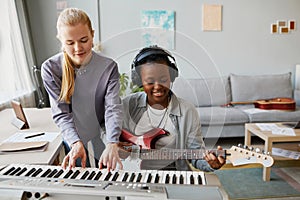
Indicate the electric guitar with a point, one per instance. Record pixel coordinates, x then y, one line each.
133 154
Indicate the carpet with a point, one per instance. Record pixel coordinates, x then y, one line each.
247 183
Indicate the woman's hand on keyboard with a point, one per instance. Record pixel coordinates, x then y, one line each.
77 151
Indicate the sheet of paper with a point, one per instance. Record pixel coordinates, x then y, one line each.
276 129
285 153
20 137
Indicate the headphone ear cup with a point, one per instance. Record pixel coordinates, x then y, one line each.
173 73
135 78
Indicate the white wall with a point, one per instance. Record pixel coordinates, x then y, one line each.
42 20
244 46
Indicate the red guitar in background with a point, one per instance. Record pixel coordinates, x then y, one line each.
135 149
287 104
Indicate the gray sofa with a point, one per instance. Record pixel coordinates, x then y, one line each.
212 95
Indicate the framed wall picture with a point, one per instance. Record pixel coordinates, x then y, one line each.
274 28
282 23
158 28
292 24
212 17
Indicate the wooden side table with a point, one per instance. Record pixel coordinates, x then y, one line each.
269 138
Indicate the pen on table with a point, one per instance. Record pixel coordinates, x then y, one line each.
31 136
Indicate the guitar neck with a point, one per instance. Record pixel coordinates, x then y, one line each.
241 102
176 154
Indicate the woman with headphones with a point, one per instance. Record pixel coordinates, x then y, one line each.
157 107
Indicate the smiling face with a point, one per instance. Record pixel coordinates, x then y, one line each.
77 42
156 83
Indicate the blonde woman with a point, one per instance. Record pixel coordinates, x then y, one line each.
83 88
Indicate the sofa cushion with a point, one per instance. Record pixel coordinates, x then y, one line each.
203 92
217 115
251 88
259 115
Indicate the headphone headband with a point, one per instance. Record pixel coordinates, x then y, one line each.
152 51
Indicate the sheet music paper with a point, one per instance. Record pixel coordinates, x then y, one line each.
285 153
276 129
20 137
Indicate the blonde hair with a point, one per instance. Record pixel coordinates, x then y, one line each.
70 17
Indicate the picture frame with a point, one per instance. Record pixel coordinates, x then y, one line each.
274 28
292 24
284 30
282 23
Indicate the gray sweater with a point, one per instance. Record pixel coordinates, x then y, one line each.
95 104
183 115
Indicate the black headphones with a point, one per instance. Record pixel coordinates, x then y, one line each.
149 51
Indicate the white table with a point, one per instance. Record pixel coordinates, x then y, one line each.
39 120
269 138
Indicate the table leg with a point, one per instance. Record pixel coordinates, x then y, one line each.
247 137
267 170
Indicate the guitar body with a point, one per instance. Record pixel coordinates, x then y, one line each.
137 142
276 104
145 141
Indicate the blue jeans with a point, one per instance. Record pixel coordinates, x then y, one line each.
98 147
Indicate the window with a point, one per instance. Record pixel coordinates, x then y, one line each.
15 81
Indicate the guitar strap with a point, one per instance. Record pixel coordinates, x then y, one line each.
136 111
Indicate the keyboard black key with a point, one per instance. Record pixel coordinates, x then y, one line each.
60 172
15 171
75 174
132 177
174 179
22 171
181 179
86 173
156 180
167 178
149 178
46 173
116 175
30 172
139 177
68 174
107 176
52 173
98 175
9 171
93 173
199 180
37 172
125 177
